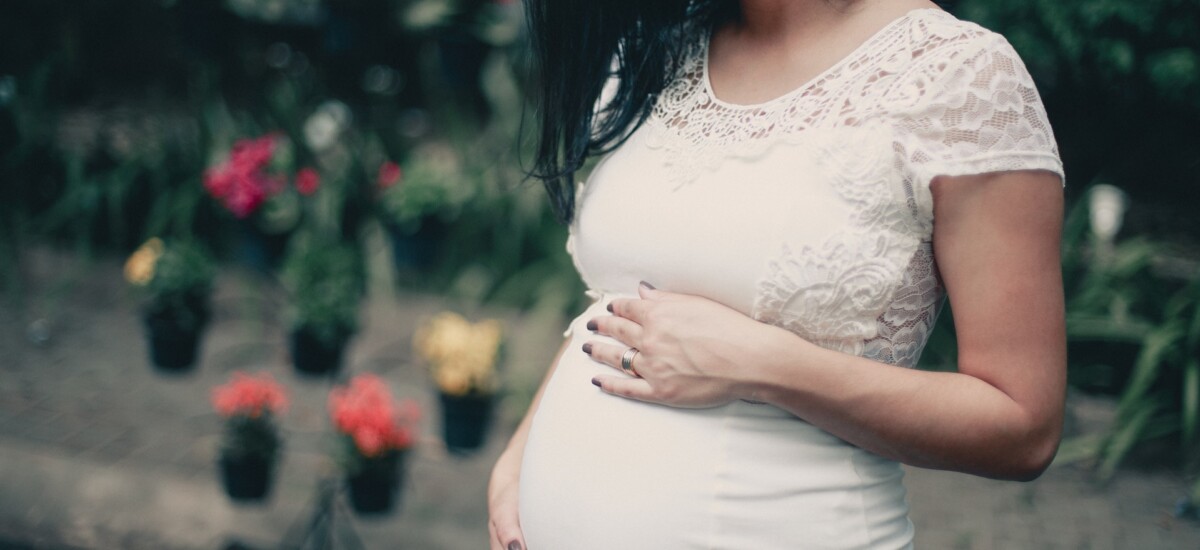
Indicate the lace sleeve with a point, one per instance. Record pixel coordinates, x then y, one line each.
970 107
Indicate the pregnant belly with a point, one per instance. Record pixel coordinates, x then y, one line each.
601 471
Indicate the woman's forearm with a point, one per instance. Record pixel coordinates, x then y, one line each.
937 420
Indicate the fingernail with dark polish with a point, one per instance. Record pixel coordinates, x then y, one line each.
587 348
610 310
596 382
514 545
592 325
647 285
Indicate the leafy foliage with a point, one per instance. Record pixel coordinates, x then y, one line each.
176 276
434 185
1125 315
326 280
247 436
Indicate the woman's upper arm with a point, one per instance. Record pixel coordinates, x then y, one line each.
996 238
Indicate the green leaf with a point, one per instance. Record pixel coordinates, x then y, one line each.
1123 439
1193 333
1097 327
1118 55
1173 70
1133 256
1146 369
1079 448
1191 402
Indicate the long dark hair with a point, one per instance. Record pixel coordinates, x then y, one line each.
575 43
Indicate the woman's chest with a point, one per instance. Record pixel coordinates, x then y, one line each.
723 224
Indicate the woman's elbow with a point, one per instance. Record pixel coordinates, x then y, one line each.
1033 454
1037 462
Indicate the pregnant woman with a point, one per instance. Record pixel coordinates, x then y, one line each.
787 191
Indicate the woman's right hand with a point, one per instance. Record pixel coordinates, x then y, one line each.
503 523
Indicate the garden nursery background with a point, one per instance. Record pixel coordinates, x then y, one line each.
271 274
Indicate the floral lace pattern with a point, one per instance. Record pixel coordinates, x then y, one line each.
930 95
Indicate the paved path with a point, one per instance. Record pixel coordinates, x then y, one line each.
98 451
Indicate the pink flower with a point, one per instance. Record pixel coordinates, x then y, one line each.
307 181
369 442
389 175
365 411
250 396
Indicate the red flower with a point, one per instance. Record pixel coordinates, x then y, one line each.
307 181
369 441
249 395
366 412
240 183
389 175
217 182
253 154
244 197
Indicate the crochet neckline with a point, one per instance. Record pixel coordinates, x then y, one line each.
886 30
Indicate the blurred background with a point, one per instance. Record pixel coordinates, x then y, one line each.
253 252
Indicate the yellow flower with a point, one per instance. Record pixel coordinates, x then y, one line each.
462 356
452 382
139 268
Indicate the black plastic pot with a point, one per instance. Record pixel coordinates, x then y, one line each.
417 250
246 478
260 250
375 488
465 420
173 342
313 356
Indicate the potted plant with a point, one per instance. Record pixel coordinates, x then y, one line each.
249 404
251 184
176 278
462 358
326 281
417 205
375 435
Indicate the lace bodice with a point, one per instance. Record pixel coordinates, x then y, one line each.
812 211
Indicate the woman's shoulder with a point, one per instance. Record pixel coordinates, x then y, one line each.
937 37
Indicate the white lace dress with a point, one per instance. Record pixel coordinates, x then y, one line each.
811 212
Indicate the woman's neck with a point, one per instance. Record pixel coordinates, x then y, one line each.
774 19
773 46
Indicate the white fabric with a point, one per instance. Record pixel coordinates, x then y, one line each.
811 212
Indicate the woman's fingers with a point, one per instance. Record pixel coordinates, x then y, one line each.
504 523
623 330
611 354
635 309
493 538
506 532
632 388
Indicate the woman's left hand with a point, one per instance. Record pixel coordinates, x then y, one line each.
692 352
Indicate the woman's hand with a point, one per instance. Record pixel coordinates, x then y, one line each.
504 526
691 350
